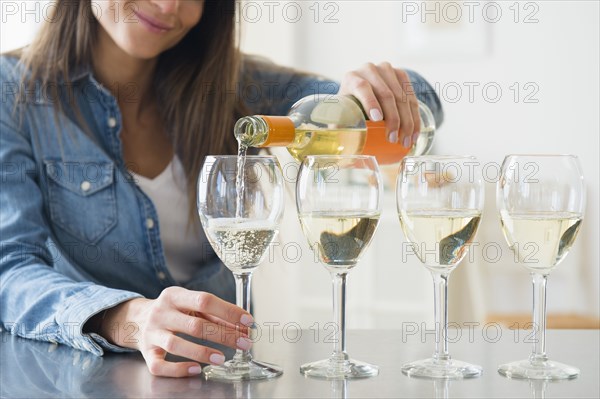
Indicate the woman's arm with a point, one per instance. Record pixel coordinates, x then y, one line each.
35 300
272 89
38 302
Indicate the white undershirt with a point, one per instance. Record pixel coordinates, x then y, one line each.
182 245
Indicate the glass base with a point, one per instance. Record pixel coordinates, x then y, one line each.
542 370
234 370
443 369
339 370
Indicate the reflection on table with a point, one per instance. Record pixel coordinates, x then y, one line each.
40 369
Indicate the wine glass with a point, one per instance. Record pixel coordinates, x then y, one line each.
541 199
339 204
240 226
440 200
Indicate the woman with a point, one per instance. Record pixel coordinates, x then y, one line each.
106 118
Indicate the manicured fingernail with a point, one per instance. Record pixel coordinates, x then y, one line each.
253 333
406 142
195 370
217 359
375 115
247 320
243 343
415 136
393 136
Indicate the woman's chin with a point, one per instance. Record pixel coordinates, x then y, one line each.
143 52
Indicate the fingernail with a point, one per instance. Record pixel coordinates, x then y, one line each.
247 320
393 136
217 359
195 370
253 332
415 136
243 343
375 115
406 142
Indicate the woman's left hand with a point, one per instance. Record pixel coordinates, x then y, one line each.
386 93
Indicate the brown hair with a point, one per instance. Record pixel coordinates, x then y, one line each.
191 78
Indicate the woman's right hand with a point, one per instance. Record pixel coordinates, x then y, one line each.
150 326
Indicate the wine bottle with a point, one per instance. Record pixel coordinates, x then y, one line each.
329 124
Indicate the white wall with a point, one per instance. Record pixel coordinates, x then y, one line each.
557 56
20 20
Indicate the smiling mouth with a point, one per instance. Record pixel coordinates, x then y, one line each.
152 24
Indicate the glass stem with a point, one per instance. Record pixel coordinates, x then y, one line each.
440 297
539 318
339 314
242 299
441 387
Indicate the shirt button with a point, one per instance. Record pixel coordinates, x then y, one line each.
149 223
86 185
161 275
112 122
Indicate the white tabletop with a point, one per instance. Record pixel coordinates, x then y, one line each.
30 369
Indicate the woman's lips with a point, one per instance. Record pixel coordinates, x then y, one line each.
152 24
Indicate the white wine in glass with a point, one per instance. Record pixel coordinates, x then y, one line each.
541 200
241 222
447 230
240 243
440 200
339 237
339 204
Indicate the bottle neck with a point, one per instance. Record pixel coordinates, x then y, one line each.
264 131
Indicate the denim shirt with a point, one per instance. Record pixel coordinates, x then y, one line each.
77 235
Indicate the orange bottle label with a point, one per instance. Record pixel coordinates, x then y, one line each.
378 145
281 131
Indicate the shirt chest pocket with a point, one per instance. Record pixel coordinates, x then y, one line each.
82 198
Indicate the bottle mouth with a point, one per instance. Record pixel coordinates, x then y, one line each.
247 131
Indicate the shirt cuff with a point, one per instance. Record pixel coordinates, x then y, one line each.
100 340
80 308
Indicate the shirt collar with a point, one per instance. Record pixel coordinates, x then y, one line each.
79 72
